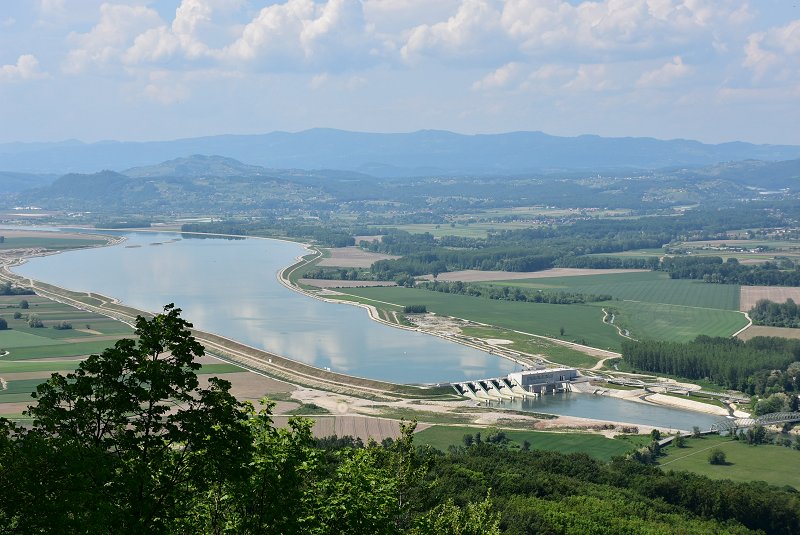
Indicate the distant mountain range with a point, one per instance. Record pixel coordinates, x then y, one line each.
428 152
214 184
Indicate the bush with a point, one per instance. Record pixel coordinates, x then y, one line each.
35 322
717 456
24 304
415 309
63 326
17 315
3 324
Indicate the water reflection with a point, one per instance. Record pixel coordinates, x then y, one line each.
229 287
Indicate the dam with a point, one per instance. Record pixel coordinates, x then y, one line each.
528 383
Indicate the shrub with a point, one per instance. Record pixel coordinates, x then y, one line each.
716 456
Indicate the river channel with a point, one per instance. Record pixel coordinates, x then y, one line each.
229 287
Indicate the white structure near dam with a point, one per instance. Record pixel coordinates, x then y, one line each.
529 383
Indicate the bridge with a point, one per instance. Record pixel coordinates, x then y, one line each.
774 418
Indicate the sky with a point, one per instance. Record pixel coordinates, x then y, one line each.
712 70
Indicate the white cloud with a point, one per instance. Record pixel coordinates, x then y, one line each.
594 78
26 68
499 78
107 40
474 32
7 22
299 33
593 31
181 37
665 75
776 50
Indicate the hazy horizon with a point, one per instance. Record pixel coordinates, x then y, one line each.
146 70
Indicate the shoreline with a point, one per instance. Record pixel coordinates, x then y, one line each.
309 377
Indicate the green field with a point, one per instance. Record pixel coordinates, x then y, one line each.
582 323
597 446
776 465
649 287
21 386
675 323
26 366
221 368
60 349
534 346
651 305
77 349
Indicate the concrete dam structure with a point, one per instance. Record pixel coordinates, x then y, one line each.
529 383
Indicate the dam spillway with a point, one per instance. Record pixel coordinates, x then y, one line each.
529 383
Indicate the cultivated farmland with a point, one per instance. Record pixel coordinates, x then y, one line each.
674 322
582 323
750 295
33 353
648 304
646 286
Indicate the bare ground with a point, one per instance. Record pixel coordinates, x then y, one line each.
471 275
749 295
353 257
363 427
759 330
249 386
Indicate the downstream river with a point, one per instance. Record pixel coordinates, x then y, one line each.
229 287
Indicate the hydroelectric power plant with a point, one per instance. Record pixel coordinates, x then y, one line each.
529 383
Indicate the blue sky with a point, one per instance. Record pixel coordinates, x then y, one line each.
713 70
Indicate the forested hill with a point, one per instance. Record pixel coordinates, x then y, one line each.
407 154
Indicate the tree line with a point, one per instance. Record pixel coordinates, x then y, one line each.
8 289
132 442
756 366
565 245
515 293
766 312
714 269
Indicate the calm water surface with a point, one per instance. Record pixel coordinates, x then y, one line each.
229 287
615 410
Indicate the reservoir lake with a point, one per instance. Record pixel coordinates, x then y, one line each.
229 287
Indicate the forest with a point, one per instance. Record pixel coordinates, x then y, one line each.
757 366
506 293
767 312
565 245
133 443
714 270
